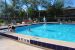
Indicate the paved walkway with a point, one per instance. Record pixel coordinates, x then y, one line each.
9 44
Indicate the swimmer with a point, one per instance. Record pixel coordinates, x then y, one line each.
13 29
9 27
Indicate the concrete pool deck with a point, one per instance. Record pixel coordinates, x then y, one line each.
45 40
9 44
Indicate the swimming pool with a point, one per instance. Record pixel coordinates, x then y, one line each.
64 32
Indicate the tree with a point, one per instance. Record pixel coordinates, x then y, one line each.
59 7
2 7
16 8
56 9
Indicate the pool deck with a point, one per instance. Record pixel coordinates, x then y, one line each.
9 44
24 24
45 40
33 23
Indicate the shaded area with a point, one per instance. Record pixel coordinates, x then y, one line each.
48 45
9 36
1 37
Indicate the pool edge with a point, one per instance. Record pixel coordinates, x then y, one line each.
37 42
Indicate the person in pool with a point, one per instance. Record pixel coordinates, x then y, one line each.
13 28
9 27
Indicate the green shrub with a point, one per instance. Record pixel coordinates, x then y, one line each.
1 21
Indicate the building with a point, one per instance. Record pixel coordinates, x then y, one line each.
69 13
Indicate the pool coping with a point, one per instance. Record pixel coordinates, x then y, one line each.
21 37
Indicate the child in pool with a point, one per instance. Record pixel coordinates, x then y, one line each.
9 27
13 29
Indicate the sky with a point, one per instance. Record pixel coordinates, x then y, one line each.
69 3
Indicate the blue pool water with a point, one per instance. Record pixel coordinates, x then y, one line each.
64 32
